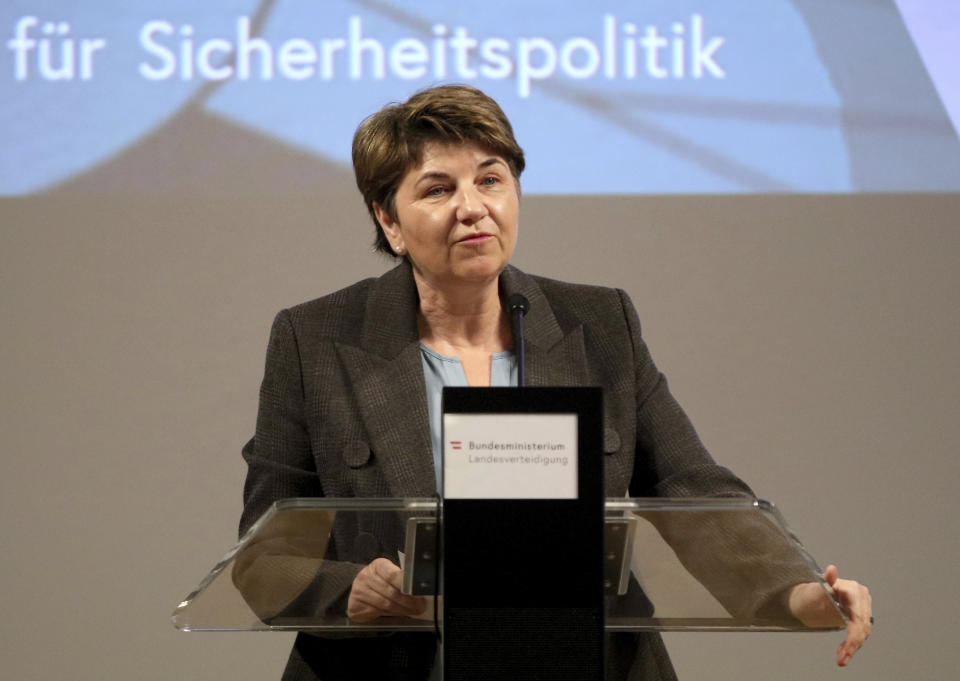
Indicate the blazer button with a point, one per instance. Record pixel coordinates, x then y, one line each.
357 454
611 441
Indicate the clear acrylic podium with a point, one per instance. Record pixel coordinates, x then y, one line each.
669 565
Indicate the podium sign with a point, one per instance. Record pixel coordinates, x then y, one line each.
510 456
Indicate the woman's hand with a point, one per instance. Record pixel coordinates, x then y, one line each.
376 592
809 604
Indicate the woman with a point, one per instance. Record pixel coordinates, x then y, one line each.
349 405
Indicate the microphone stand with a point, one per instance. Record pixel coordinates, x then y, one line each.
518 305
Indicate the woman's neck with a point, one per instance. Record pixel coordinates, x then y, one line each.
463 320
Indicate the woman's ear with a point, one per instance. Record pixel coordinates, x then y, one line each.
391 229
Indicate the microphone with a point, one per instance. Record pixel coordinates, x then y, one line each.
518 305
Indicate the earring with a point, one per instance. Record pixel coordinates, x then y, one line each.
399 250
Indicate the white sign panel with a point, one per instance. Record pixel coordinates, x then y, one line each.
510 456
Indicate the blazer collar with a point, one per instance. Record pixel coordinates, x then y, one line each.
390 319
386 373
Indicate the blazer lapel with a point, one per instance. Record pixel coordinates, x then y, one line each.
555 357
386 376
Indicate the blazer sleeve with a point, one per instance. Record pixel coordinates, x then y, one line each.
279 457
743 561
286 577
670 459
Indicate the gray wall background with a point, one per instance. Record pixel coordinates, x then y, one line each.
812 339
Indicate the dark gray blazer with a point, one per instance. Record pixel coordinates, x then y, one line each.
343 413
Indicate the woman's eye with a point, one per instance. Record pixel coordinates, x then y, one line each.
491 180
436 191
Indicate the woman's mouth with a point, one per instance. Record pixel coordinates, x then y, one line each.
475 239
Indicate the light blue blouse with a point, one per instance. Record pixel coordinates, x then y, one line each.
440 370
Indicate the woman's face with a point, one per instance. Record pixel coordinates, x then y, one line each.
456 216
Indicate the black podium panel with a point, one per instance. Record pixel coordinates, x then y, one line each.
523 578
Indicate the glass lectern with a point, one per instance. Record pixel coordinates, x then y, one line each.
669 565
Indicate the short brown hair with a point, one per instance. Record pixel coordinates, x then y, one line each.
391 141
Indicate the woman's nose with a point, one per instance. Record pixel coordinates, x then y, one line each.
470 205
